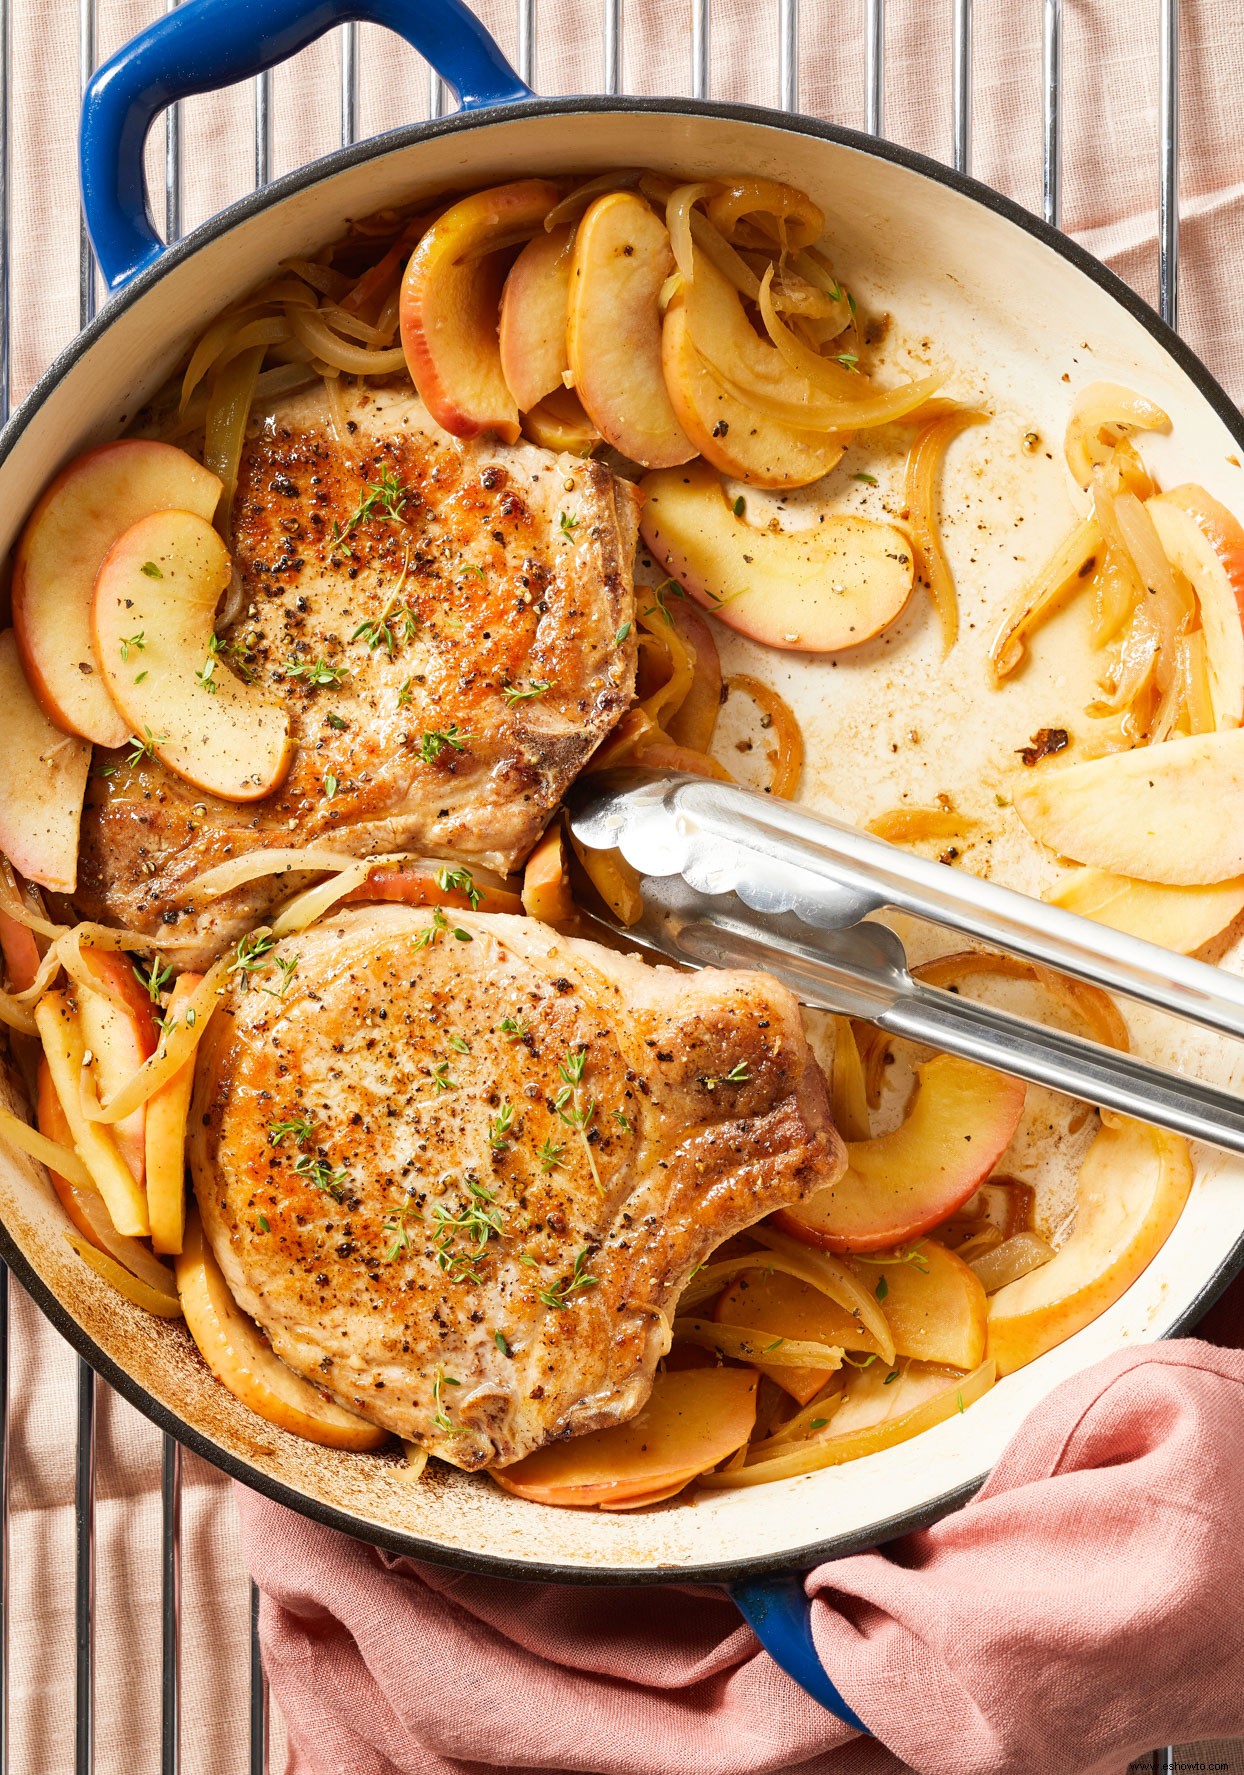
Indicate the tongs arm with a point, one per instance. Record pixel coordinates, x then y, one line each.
724 838
733 879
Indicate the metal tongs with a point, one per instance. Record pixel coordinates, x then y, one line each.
732 878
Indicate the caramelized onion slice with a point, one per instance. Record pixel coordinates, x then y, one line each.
860 405
833 1277
1068 565
787 757
923 465
1008 1261
743 1343
1103 414
142 1294
829 1450
50 1153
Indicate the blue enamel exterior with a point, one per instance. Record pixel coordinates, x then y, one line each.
779 1613
205 44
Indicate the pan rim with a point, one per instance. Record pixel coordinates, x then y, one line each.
404 1543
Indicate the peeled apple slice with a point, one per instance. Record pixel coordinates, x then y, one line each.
693 1419
1132 1188
239 1357
1178 918
788 1308
936 1306
1159 813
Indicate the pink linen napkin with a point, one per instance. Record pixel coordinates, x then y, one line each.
1083 1608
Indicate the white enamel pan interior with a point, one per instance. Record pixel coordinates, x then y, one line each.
1023 317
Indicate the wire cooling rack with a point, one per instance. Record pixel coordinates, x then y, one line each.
784 91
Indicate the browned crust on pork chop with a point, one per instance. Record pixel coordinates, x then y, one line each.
443 1215
497 581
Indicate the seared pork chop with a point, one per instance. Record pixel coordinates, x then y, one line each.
461 1171
450 626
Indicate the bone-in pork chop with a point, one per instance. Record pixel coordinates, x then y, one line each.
461 1171
450 626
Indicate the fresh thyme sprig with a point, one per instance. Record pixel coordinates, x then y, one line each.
500 1129
738 1074
911 1254
398 1230
461 881
153 981
478 1221
572 1110
314 673
659 607
560 1294
550 1154
434 742
321 1175
386 496
301 1127
395 625
287 968
144 748
535 687
249 955
427 936
439 1417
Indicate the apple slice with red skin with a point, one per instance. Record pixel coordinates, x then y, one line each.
81 515
727 430
693 1418
622 257
21 952
899 1185
532 330
416 884
120 1031
1132 1188
808 591
1205 542
450 305
42 784
239 1356
163 579
730 429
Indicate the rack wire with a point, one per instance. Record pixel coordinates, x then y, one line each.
786 92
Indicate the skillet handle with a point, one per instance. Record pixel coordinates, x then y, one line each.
779 1612
205 44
